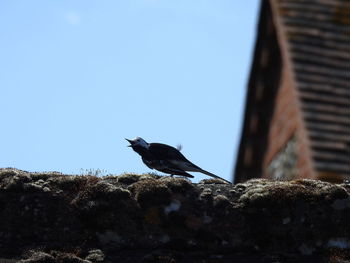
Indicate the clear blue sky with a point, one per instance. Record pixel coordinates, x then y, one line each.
77 77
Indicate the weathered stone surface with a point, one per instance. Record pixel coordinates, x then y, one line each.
51 217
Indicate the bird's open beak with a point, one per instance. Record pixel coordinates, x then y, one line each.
130 141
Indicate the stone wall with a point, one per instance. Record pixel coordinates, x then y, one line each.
51 217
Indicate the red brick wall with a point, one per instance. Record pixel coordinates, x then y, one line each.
287 121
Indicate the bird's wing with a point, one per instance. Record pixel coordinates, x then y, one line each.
168 153
165 167
165 152
148 163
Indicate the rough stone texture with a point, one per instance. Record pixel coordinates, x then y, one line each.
51 217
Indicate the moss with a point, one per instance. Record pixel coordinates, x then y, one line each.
15 183
254 195
53 257
69 258
6 172
312 184
38 257
106 190
16 180
262 193
332 192
206 193
95 255
177 185
221 202
129 179
103 206
45 175
98 194
151 192
67 182
212 181
34 187
323 189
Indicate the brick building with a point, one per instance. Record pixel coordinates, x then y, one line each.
297 115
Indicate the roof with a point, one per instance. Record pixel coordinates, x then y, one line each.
314 37
318 35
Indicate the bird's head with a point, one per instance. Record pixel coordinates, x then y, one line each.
138 142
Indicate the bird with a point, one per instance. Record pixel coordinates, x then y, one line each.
166 159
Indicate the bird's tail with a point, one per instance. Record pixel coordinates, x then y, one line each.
213 175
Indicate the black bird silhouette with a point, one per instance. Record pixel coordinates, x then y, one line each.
166 159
